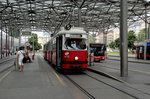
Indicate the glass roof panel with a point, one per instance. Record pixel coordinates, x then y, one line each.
60 12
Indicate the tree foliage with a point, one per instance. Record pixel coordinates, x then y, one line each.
117 41
91 39
141 35
115 44
112 45
34 38
131 39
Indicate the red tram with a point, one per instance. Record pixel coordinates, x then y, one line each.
68 49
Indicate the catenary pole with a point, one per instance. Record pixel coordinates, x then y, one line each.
2 52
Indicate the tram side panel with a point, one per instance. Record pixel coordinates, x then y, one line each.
54 57
50 56
48 53
45 52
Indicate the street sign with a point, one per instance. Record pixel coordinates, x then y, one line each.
26 33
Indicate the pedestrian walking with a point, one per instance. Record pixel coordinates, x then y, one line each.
20 56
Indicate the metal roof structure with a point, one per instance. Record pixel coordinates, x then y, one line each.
50 15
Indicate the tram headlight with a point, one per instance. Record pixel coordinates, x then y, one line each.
76 58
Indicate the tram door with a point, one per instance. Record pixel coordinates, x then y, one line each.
140 52
58 51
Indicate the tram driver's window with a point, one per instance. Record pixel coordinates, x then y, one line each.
82 44
68 44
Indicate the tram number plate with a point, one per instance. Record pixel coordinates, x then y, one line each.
75 35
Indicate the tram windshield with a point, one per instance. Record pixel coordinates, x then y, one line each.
75 44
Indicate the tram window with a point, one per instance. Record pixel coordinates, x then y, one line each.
75 44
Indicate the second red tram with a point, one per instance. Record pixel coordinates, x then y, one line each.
98 51
68 49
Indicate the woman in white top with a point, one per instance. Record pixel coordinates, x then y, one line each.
20 56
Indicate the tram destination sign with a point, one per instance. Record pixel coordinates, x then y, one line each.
76 35
148 43
96 45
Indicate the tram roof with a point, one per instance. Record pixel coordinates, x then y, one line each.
73 30
50 15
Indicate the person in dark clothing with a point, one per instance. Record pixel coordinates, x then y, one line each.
27 58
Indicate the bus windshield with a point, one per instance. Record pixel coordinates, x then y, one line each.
75 44
97 49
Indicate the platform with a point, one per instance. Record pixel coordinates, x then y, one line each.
40 81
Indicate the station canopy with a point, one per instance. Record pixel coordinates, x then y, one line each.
50 15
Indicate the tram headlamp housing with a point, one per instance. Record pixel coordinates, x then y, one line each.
76 58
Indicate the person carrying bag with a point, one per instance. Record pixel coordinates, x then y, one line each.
20 57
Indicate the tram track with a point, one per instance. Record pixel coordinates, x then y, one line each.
6 67
112 86
80 88
105 83
4 61
114 78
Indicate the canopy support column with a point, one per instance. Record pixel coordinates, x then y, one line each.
123 40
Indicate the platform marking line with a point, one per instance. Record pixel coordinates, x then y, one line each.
4 76
140 71
60 80
129 70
